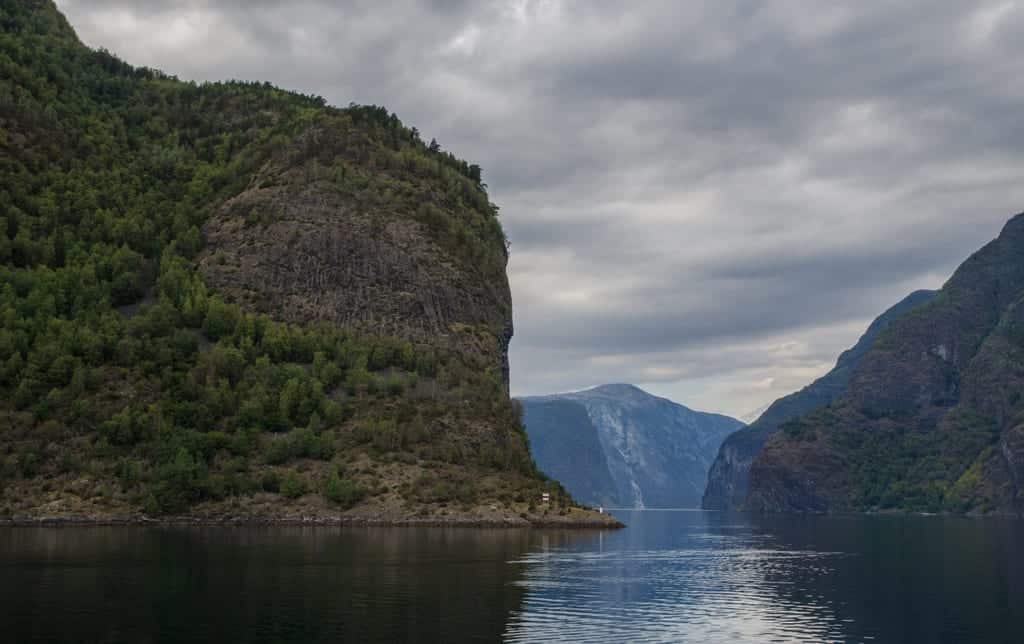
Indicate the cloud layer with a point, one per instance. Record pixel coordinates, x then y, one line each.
709 199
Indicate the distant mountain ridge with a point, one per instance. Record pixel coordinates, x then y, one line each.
728 476
619 445
752 416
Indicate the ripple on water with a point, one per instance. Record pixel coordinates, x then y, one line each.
715 593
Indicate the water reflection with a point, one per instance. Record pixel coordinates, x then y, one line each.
708 577
669 577
673 577
919 579
271 584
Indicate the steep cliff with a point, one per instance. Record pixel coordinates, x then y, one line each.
933 416
317 236
656 452
729 474
227 300
567 447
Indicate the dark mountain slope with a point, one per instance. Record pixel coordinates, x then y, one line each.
728 477
567 448
230 300
933 416
656 452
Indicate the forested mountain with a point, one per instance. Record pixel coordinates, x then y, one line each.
933 416
225 299
728 477
619 445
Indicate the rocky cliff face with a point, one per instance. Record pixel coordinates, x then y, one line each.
729 474
657 452
932 416
305 243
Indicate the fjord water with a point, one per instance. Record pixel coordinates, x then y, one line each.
670 577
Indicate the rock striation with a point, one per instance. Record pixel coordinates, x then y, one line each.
619 445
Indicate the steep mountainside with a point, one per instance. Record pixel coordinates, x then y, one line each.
657 452
568 448
228 300
933 417
728 477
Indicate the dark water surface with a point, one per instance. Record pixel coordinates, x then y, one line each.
669 577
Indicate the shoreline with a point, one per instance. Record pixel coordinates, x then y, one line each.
355 522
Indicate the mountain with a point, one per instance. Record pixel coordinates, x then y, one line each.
932 418
567 447
752 416
727 478
618 445
228 300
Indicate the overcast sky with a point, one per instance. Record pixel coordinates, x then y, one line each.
711 200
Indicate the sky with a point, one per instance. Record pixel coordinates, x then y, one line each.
710 200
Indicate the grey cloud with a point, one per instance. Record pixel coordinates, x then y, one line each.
687 186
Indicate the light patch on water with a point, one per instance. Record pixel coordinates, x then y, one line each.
713 593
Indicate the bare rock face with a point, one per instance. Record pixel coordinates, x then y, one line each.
302 250
726 487
932 418
619 445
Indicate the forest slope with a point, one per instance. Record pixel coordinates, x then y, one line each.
228 300
933 416
729 474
